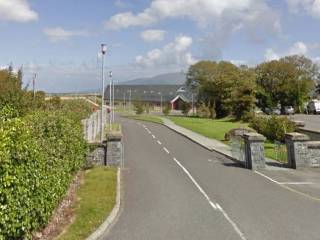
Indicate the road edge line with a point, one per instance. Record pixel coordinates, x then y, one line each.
112 216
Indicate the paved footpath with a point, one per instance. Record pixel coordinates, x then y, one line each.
176 189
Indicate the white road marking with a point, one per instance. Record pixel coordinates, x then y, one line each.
153 136
269 178
234 225
143 125
296 183
209 160
159 142
196 184
167 151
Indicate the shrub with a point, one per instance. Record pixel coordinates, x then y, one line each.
166 110
273 128
185 108
203 111
39 154
138 107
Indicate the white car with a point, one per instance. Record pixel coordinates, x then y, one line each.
314 106
288 110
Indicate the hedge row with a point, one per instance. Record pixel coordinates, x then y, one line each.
273 128
39 154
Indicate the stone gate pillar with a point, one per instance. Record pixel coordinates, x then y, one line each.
297 150
254 151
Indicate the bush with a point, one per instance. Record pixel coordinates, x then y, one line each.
138 107
166 110
39 155
273 128
203 111
185 108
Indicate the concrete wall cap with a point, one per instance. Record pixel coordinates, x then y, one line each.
253 136
294 136
313 144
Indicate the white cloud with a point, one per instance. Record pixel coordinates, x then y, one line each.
153 35
218 19
16 10
176 53
271 55
311 7
201 11
59 34
298 48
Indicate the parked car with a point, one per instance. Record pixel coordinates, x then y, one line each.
288 110
314 106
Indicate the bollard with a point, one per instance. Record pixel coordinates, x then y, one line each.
254 151
297 150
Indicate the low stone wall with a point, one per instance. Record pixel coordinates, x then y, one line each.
302 153
313 135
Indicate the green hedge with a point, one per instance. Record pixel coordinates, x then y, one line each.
273 128
39 154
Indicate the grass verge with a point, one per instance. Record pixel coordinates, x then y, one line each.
96 199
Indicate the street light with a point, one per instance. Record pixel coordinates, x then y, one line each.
111 99
103 51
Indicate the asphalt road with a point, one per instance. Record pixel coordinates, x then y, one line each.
312 121
178 190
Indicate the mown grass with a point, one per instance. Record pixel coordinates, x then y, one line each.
96 199
211 128
217 128
148 118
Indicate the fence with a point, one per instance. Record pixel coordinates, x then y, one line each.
92 126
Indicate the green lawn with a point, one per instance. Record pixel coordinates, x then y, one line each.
207 127
97 196
148 118
217 128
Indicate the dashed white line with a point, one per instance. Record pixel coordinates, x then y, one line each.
153 136
214 206
196 184
167 151
159 142
234 225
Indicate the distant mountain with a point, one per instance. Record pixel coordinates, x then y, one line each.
163 79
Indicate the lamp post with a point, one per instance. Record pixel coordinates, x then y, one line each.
103 51
111 97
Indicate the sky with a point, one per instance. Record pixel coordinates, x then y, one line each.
60 40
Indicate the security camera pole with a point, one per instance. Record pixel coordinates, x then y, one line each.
103 51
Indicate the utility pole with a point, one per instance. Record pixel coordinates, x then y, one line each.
112 96
103 51
130 99
124 101
34 86
110 104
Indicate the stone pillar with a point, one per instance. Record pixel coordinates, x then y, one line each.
254 151
297 150
114 150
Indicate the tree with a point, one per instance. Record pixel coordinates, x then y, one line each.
243 95
287 81
166 110
185 108
214 82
